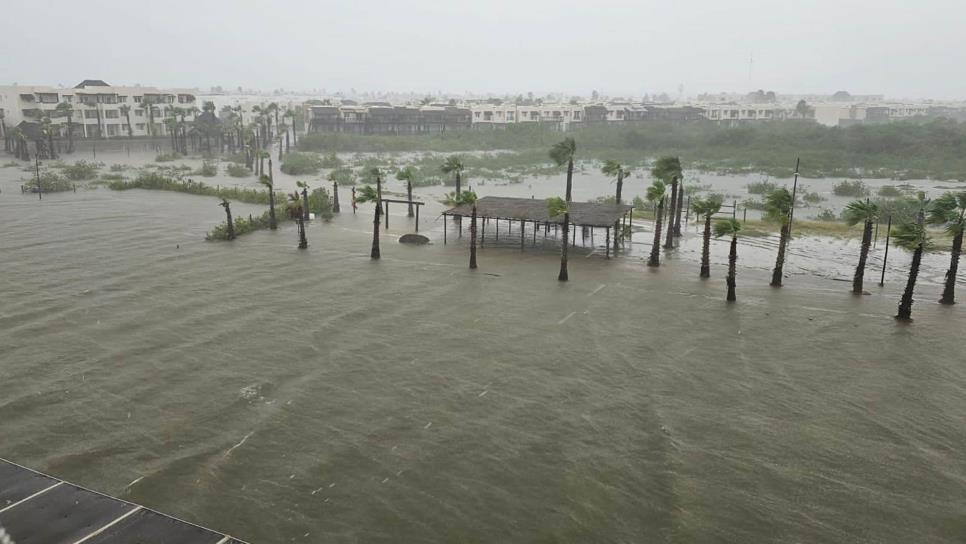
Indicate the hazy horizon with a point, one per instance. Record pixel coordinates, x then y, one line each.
618 47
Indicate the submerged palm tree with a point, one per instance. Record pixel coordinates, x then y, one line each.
706 207
368 194
454 165
615 169
911 235
267 182
656 193
468 198
668 170
563 153
231 225
949 210
865 212
305 198
730 227
296 211
778 209
408 174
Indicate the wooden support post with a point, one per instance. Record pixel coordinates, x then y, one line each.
387 215
417 218
523 232
483 233
497 229
460 221
444 229
534 243
631 223
608 242
573 241
687 213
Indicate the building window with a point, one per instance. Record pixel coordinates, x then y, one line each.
90 114
111 114
138 99
139 126
139 113
122 99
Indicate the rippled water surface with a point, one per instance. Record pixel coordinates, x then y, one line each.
318 396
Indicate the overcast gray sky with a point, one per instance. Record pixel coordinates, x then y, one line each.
896 47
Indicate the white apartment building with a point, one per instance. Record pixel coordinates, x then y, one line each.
738 113
504 114
99 109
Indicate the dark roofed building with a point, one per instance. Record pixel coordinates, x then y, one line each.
91 83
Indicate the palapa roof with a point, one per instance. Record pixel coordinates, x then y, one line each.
591 214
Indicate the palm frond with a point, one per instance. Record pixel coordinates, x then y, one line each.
727 227
611 168
266 181
563 152
452 164
910 234
778 205
556 206
367 193
666 168
656 191
406 174
860 211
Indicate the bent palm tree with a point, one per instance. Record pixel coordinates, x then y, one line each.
454 165
949 210
408 174
656 193
305 198
469 198
563 153
126 112
913 237
668 170
267 182
368 194
865 212
296 211
231 225
778 209
730 227
706 207
67 110
615 169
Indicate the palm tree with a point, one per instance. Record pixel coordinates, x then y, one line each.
294 115
148 105
469 198
270 184
454 165
48 129
615 169
305 198
911 235
67 110
668 170
949 210
3 131
657 193
408 174
97 111
865 212
778 209
730 227
335 197
563 153
368 194
231 224
126 111
296 211
706 207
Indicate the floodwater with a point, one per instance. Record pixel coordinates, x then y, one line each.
318 396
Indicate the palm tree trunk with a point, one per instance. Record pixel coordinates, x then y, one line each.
564 276
473 238
655 258
375 254
677 212
949 291
776 275
231 224
458 181
335 197
303 241
409 195
305 204
863 256
272 223
669 242
706 249
905 304
287 148
732 268
70 133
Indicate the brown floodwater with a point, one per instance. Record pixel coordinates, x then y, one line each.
318 396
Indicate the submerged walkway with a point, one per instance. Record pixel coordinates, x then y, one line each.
38 509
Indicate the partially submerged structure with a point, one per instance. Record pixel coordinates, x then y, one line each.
588 215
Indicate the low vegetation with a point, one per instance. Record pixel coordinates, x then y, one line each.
237 170
154 181
301 164
853 189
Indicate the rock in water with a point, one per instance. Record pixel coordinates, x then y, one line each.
417 239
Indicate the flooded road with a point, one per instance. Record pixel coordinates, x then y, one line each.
318 396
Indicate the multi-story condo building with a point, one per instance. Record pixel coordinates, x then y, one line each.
385 118
97 109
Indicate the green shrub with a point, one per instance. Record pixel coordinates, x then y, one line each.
245 225
51 182
157 181
166 157
344 176
331 161
851 188
889 191
812 197
761 187
119 167
320 203
827 215
753 204
81 170
112 177
235 157
238 170
208 169
300 164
